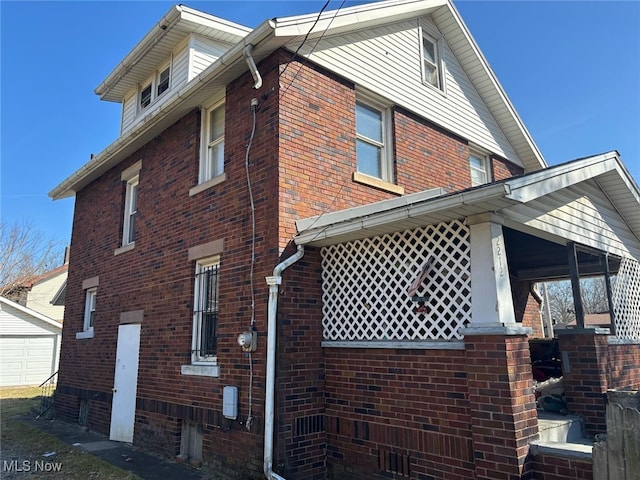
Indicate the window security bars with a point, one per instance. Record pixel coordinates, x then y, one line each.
626 300
206 311
365 285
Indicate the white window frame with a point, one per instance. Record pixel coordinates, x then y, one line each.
153 84
385 144
90 309
208 171
200 309
483 170
437 63
130 211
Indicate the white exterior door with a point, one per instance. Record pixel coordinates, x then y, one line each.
125 383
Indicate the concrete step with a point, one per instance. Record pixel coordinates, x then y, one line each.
581 448
558 428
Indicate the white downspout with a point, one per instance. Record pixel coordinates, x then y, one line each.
246 51
269 407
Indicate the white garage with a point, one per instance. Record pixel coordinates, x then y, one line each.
29 345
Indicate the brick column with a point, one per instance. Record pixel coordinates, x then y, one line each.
501 401
585 361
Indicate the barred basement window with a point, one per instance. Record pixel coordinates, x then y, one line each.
205 314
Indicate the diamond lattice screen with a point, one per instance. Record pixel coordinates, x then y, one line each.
626 300
366 282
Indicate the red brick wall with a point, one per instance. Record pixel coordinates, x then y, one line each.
304 162
548 467
585 379
502 404
406 402
623 370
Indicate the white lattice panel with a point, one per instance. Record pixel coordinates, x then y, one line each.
365 285
626 300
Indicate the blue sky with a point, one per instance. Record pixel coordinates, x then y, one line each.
571 69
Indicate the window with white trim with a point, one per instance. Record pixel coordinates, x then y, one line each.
479 166
154 87
130 212
212 155
373 145
431 61
205 311
90 309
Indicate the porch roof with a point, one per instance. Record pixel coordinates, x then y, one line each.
521 202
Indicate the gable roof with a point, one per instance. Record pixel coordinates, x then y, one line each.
264 40
600 187
32 314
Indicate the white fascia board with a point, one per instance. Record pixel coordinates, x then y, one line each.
387 213
141 48
32 313
357 17
539 184
109 157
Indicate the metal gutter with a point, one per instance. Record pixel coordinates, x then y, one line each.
386 213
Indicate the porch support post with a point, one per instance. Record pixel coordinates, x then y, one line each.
491 299
499 381
575 284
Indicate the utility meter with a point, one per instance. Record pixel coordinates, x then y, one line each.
248 341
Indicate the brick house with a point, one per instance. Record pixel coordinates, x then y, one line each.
368 165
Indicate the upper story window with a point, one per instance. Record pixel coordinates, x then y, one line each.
212 155
479 165
130 211
432 61
131 177
205 310
90 309
90 287
154 87
373 145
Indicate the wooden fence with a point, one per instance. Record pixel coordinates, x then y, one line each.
617 455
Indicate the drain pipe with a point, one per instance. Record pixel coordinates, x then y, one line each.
269 408
246 51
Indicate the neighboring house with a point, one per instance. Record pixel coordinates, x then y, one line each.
368 164
43 293
29 345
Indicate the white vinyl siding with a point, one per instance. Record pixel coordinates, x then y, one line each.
129 106
203 53
583 215
180 70
387 60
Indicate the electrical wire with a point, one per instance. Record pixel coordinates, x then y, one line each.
312 49
254 107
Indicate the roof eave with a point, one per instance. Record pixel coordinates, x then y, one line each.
107 90
178 103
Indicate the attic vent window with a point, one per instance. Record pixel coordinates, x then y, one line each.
145 96
431 61
154 86
163 81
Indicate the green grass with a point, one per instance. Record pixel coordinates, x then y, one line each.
25 443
